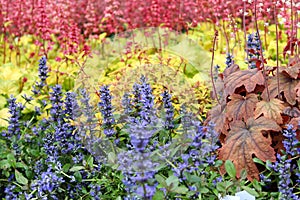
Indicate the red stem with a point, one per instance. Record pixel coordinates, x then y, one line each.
292 36
211 66
260 51
277 53
244 28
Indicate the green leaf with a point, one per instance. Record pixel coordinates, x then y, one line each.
256 160
68 83
194 179
11 159
203 190
230 169
4 164
172 180
268 163
190 71
256 185
221 187
218 163
90 161
181 190
158 195
78 176
29 173
20 178
76 168
243 174
21 165
250 191
112 158
34 152
161 180
66 167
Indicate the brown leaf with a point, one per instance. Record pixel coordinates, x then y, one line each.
230 70
297 90
240 107
286 85
294 61
245 140
270 109
248 78
292 112
217 115
293 71
295 123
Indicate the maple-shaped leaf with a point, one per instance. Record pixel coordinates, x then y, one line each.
291 71
247 78
245 140
294 61
270 109
297 90
295 122
291 112
230 70
217 115
240 107
286 85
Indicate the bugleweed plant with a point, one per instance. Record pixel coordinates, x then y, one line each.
70 148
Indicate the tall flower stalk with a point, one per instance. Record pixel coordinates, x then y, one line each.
106 109
285 167
169 110
43 75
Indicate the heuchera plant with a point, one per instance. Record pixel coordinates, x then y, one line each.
254 106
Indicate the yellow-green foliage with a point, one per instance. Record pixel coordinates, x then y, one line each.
164 70
204 33
178 62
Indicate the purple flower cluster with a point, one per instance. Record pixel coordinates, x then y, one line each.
253 50
138 168
106 109
95 191
290 143
285 167
56 110
126 104
136 163
43 75
47 184
203 143
169 110
216 72
15 110
147 100
229 60
9 192
72 109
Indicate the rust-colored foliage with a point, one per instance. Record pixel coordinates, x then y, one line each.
270 109
218 116
287 85
247 78
252 115
241 107
245 140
